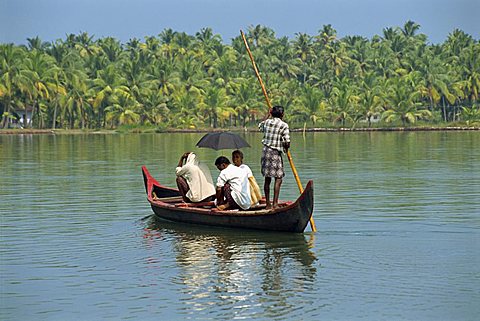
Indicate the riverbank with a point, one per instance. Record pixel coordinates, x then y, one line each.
113 131
53 131
392 129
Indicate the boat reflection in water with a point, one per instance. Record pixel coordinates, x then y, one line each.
237 273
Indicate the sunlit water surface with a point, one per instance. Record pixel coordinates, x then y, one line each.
398 219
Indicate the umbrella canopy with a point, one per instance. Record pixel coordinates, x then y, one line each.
222 140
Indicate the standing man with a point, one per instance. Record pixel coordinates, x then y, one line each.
276 139
233 189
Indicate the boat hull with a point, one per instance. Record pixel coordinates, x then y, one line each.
290 217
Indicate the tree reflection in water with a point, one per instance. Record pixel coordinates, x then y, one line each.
238 273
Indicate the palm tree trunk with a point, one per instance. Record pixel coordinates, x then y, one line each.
70 116
40 121
7 111
444 109
54 114
215 123
30 122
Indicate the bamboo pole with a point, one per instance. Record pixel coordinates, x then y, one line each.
289 156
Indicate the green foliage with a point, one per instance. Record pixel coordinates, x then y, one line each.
471 115
176 80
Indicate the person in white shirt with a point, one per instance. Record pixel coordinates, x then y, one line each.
255 193
233 189
194 179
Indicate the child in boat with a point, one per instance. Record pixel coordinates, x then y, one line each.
255 194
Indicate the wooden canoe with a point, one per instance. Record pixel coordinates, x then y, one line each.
167 204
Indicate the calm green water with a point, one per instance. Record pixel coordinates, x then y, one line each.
398 219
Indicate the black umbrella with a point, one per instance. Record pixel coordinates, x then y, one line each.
222 140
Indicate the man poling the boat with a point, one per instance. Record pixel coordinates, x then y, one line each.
257 73
276 140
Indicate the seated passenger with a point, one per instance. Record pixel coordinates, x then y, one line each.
255 193
233 190
194 180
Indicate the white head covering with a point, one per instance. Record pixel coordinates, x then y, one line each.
198 177
192 159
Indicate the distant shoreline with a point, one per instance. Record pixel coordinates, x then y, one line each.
109 132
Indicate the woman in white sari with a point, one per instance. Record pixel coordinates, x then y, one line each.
194 179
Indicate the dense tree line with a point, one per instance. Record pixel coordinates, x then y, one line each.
178 80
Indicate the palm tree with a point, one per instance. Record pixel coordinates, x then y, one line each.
434 83
214 103
396 41
303 46
311 99
122 108
77 102
370 98
152 44
326 36
186 108
155 110
85 45
103 87
384 61
261 35
40 70
471 72
163 71
456 41
111 48
10 60
245 98
183 80
338 58
167 36
343 102
206 37
137 79
360 54
285 95
304 49
189 74
410 28
403 101
58 90
283 61
221 69
471 115
37 44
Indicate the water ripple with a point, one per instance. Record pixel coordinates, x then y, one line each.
398 227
